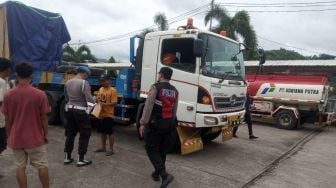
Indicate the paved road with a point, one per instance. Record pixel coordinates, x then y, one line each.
280 158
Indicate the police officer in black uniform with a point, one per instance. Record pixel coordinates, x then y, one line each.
158 124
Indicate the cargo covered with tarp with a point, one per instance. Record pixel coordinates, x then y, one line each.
32 35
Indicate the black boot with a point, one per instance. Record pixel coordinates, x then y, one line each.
253 137
156 176
166 180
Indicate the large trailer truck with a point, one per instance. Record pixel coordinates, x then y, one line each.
290 100
208 72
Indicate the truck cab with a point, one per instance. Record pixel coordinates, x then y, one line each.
210 85
208 72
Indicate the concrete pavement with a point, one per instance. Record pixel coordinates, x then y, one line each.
236 163
312 165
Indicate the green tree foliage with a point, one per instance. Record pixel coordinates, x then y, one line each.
81 55
322 57
112 60
283 54
160 20
234 26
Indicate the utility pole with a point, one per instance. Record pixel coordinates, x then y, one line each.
212 6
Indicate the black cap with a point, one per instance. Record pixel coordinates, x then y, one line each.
166 72
104 77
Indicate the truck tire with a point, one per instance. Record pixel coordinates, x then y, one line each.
286 119
62 113
138 117
53 116
206 138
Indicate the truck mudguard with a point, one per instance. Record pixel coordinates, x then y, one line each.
295 111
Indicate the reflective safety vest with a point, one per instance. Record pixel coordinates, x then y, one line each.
166 99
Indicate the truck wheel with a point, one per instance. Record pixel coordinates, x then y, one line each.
138 117
206 138
286 119
62 113
53 116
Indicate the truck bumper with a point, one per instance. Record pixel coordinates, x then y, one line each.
222 119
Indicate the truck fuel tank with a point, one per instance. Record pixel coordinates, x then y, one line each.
289 87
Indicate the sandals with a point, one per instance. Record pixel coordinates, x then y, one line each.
100 150
109 153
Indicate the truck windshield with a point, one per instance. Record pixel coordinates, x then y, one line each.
222 58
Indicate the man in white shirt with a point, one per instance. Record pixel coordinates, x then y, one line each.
4 72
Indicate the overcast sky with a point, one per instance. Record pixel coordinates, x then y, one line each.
87 20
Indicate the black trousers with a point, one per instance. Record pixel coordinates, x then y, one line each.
248 121
77 121
159 139
3 139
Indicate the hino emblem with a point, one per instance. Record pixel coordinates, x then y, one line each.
233 100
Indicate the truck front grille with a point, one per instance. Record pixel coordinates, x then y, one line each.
232 103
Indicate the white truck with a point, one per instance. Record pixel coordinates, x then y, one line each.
209 75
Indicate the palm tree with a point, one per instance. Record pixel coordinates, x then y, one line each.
82 54
160 21
234 26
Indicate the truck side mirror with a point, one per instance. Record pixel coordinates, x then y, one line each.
262 56
242 47
198 47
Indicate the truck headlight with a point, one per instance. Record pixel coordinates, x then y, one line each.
203 97
210 120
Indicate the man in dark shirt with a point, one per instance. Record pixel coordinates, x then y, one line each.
248 119
80 101
158 121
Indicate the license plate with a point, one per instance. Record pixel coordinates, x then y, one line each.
233 120
215 129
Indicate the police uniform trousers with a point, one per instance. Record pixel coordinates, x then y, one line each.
160 137
77 121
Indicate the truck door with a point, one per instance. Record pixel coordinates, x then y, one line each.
177 53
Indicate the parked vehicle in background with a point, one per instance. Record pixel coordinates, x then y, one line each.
290 100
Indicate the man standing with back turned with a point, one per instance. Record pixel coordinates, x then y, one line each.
80 101
25 109
158 121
